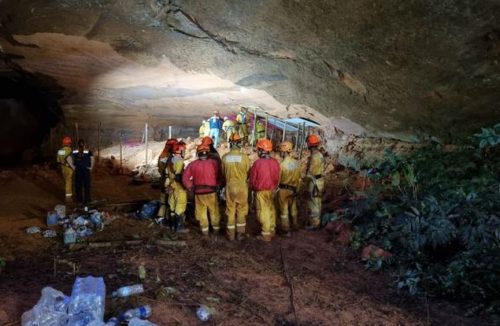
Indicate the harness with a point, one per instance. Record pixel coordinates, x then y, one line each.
287 187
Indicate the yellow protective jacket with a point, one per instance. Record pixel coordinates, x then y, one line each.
316 166
175 167
62 155
290 172
228 125
235 166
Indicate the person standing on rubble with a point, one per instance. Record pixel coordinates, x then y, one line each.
288 188
163 160
241 119
315 181
235 167
82 162
203 177
177 195
228 127
264 180
215 127
201 131
67 171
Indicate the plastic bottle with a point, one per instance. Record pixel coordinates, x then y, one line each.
126 291
139 322
87 301
203 313
51 309
69 236
141 272
141 312
113 321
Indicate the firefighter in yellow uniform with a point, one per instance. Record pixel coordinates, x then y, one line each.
288 188
201 131
316 182
163 160
260 130
241 119
235 167
229 127
66 169
177 197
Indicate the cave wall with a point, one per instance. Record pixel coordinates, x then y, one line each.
387 68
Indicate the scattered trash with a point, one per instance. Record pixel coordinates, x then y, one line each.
87 301
33 229
203 313
142 272
69 236
168 290
49 234
52 218
82 231
213 299
49 310
140 312
148 210
113 321
60 210
126 291
140 322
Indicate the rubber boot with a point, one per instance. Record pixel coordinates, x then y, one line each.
172 222
265 238
230 234
180 225
240 236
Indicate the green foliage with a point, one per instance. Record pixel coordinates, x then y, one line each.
438 212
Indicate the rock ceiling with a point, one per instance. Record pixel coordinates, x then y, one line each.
387 67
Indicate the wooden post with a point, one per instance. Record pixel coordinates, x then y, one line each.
121 155
297 138
265 130
146 142
284 131
272 133
169 132
98 141
254 126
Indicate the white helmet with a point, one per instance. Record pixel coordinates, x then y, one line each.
225 118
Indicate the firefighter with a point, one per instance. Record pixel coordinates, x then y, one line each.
213 154
66 169
163 160
82 161
260 130
229 127
241 119
177 195
201 131
264 180
316 183
235 167
203 177
288 188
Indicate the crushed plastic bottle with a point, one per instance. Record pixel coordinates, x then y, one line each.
60 210
203 313
49 234
140 322
52 218
141 271
87 301
113 321
141 312
33 229
83 231
126 291
69 236
51 310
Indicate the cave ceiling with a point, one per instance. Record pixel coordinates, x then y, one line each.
389 67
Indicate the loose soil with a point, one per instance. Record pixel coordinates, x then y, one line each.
245 283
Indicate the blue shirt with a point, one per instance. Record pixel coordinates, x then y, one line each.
82 161
215 122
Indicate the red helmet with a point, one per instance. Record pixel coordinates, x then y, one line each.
313 140
207 140
66 141
265 145
171 141
179 148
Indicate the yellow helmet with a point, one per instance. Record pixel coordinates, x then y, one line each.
286 147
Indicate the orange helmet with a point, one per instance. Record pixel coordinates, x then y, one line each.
265 145
66 141
313 140
179 148
286 147
202 149
235 137
207 140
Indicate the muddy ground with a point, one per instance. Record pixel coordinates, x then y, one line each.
245 283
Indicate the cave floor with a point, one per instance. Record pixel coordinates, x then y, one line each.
246 283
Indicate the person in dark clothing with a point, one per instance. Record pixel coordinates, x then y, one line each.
82 161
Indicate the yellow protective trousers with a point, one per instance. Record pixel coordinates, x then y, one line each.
207 204
287 202
67 173
266 211
236 207
315 190
162 212
177 199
